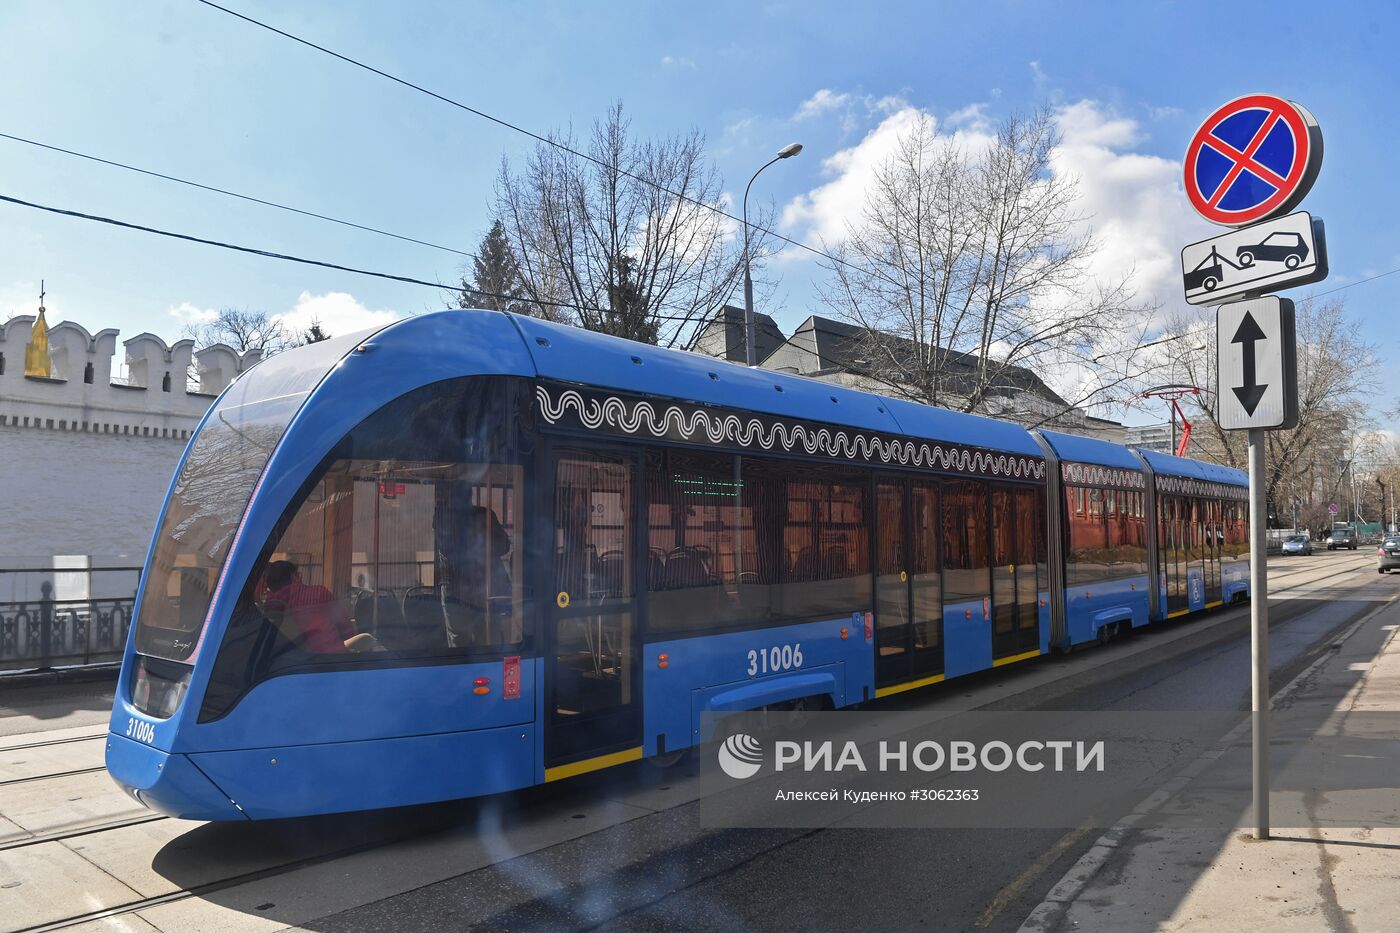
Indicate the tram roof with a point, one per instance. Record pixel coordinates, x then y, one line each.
1167 465
572 354
1078 449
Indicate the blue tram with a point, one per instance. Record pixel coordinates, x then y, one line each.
472 552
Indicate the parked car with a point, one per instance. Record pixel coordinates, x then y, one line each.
1287 248
1388 554
1297 544
1341 538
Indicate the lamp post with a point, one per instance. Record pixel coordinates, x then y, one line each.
751 351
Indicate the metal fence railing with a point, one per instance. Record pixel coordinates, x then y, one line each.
38 630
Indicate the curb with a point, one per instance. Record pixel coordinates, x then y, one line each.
1047 916
48 677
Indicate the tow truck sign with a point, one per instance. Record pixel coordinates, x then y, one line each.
1278 253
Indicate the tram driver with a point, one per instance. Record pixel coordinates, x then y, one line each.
309 616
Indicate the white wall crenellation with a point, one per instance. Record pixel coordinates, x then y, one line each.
167 390
87 453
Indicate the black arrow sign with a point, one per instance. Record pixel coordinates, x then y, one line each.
1249 394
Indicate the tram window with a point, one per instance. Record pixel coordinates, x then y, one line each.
405 543
1127 541
1088 556
740 541
966 567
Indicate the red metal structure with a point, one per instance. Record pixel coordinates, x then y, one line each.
1173 394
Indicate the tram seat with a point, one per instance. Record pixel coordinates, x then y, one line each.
424 624
374 611
656 568
835 563
685 568
361 615
804 566
611 567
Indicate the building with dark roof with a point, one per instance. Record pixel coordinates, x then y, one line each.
836 351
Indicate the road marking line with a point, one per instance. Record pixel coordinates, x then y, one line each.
1047 858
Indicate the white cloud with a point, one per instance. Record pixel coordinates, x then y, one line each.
1133 202
824 101
678 61
22 297
825 211
972 117
339 313
189 315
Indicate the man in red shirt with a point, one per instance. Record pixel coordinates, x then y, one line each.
308 615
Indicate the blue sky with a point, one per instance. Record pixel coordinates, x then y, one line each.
183 89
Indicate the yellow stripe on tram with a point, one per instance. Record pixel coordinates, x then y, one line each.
911 685
1179 612
1218 602
592 764
1023 656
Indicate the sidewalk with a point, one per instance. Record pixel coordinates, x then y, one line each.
1332 871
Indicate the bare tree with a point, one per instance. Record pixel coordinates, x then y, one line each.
245 330
968 267
629 237
1308 464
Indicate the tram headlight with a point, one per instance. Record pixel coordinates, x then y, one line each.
159 686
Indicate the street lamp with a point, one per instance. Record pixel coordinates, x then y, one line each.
751 351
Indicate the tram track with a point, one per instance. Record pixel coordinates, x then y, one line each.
67 741
401 834
406 830
50 776
61 835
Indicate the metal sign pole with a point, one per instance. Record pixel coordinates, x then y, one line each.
1259 629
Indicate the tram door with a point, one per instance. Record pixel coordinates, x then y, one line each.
908 590
1215 543
593 696
1176 525
1017 565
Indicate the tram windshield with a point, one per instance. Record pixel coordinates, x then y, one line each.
212 491
405 543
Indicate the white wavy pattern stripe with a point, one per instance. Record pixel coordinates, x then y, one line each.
697 424
1094 474
1186 486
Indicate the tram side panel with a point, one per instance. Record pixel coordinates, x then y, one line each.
1106 573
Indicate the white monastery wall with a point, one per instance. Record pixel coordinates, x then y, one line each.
86 458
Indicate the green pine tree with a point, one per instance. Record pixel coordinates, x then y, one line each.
495 281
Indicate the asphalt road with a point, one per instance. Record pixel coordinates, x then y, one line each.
666 871
657 864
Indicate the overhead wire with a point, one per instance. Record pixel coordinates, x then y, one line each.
564 147
286 257
516 128
233 194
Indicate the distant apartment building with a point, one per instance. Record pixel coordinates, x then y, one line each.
1158 437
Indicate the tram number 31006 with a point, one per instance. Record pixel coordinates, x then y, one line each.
140 731
774 659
